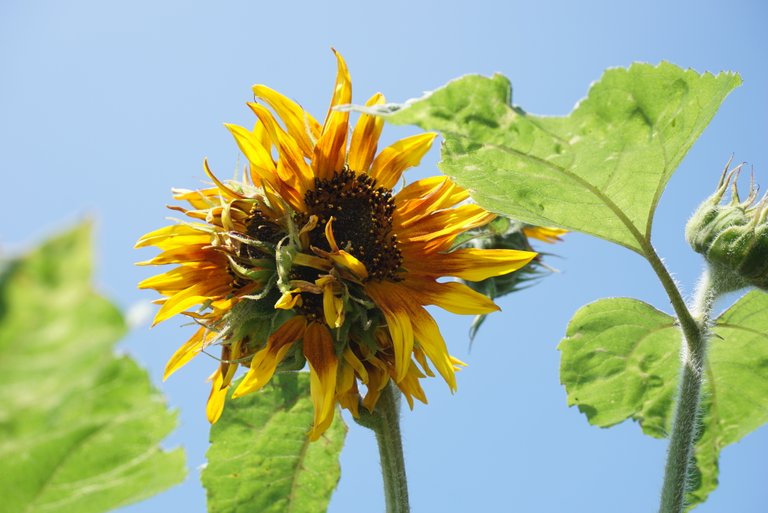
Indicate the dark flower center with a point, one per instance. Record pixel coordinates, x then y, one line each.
362 223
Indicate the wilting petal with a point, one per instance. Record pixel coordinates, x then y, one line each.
265 362
544 233
410 386
262 167
388 299
217 397
289 300
321 356
186 352
346 389
354 362
299 123
194 295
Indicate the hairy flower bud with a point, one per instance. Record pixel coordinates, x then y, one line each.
732 236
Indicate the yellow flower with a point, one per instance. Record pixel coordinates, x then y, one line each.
312 258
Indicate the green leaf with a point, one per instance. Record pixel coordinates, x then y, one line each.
620 360
79 426
261 458
600 170
736 398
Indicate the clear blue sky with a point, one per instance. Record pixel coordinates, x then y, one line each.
104 106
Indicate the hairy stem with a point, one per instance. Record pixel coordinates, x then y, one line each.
684 427
385 423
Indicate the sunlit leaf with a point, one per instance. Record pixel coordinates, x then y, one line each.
79 426
620 360
736 398
261 458
600 170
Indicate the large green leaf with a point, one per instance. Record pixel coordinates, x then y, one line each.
600 170
736 395
261 458
79 426
620 360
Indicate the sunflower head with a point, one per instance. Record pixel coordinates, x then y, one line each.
313 258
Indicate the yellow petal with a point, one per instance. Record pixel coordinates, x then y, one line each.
365 138
217 397
443 194
292 169
378 379
196 294
408 320
354 362
431 341
329 235
330 152
410 386
262 167
387 298
333 307
179 234
185 254
321 356
544 233
288 300
441 228
420 357
393 160
348 261
186 352
346 390
181 277
265 362
453 296
345 261
478 264
300 124
226 191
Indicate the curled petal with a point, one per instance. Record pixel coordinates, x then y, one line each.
321 356
393 160
265 362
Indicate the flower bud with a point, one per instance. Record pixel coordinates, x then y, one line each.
732 236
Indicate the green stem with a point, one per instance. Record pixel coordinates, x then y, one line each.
384 421
684 427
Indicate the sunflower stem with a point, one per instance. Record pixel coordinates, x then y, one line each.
384 421
677 472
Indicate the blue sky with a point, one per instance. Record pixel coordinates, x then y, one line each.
107 105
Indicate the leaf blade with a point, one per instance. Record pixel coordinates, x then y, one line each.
601 170
80 428
261 458
734 397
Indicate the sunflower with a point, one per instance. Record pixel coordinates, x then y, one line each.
312 258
